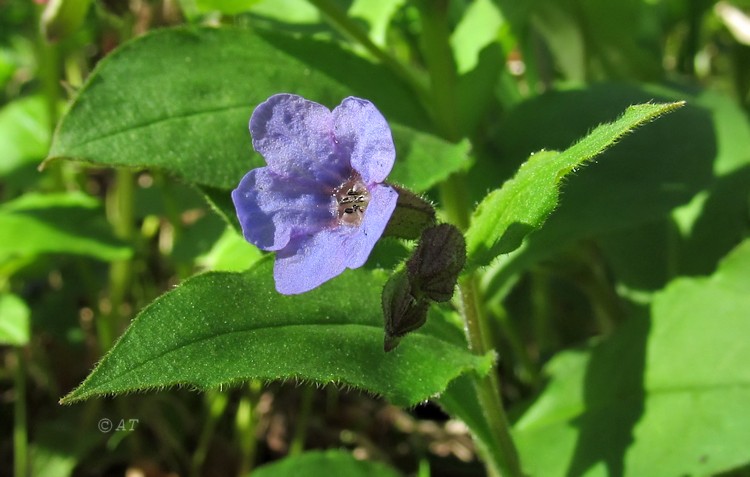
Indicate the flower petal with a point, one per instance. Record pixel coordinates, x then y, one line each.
272 208
295 137
382 204
308 262
362 134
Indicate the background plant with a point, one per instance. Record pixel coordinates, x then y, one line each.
609 341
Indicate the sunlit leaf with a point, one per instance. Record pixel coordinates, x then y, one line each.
316 463
70 223
180 100
24 133
222 328
665 395
508 214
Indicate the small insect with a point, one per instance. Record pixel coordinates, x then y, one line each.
352 199
354 208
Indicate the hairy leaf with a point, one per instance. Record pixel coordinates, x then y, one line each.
221 328
523 203
180 100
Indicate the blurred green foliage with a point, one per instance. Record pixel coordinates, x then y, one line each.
619 325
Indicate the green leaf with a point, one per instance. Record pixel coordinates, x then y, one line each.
377 15
24 133
596 40
62 18
508 214
640 181
667 395
424 160
222 328
14 320
230 253
316 463
227 7
70 223
180 100
479 60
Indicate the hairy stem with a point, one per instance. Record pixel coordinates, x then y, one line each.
503 458
505 462
120 212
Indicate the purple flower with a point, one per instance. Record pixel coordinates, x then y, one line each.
320 202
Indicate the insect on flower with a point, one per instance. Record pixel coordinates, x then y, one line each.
320 202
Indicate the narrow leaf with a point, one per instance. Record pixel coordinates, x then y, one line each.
522 204
222 328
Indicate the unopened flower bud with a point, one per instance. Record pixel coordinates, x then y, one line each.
436 263
402 311
412 215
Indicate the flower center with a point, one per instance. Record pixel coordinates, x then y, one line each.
352 198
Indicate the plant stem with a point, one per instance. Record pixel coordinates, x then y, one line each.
506 462
303 420
438 55
444 94
48 59
245 422
121 214
338 18
217 403
20 431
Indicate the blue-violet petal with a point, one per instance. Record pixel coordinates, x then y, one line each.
271 208
313 260
363 135
295 137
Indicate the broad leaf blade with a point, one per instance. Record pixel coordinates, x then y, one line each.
682 375
68 223
180 100
508 214
220 328
332 462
